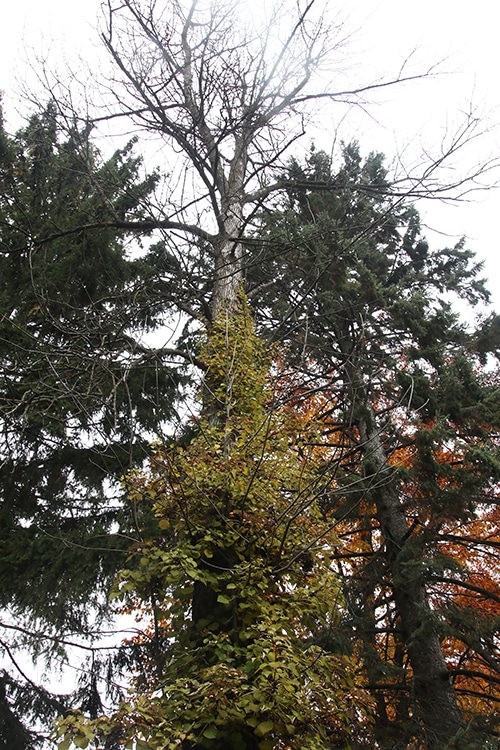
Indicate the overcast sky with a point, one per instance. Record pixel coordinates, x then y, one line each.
462 38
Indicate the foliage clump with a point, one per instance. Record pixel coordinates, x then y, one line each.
243 590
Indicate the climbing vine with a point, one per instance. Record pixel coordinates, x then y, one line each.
247 606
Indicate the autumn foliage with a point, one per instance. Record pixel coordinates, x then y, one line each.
247 606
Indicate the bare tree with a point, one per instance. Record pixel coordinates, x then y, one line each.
230 96
227 97
232 101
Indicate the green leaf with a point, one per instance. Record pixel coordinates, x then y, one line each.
80 741
264 728
210 732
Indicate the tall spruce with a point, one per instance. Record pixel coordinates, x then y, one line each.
365 308
80 394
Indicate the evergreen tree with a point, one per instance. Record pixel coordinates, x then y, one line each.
365 308
79 393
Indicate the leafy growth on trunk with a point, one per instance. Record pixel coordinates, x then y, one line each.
245 595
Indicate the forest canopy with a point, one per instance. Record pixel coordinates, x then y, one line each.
244 410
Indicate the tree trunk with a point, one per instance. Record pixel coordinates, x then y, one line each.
227 277
434 694
228 272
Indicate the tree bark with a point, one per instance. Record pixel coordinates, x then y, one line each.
228 271
434 694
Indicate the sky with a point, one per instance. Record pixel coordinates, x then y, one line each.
403 122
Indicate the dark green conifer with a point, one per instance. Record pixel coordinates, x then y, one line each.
368 313
80 395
